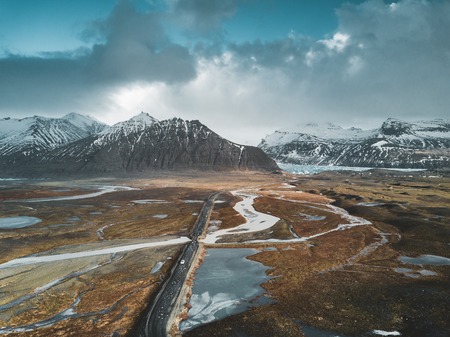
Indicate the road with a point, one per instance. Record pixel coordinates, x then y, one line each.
156 320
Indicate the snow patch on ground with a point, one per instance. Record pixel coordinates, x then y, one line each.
350 221
254 221
100 232
160 216
67 256
150 201
386 333
257 221
370 204
157 267
433 260
103 190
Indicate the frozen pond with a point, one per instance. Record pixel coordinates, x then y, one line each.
370 204
160 216
33 259
157 267
411 273
254 221
225 284
18 222
432 260
102 190
308 217
150 201
315 169
193 201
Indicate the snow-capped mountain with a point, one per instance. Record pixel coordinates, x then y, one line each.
423 144
141 144
135 124
328 131
87 123
34 134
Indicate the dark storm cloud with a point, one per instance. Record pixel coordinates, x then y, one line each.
384 61
138 48
135 48
28 84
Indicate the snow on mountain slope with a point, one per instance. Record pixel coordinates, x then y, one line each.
142 144
422 134
143 118
10 126
122 129
34 134
329 131
137 145
395 144
88 123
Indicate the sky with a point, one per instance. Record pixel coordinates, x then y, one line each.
245 68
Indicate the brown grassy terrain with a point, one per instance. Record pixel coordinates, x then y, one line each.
109 299
346 281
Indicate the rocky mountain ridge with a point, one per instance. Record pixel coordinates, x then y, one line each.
137 145
396 143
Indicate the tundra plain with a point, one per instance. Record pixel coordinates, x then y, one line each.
337 256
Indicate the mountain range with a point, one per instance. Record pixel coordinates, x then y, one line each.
395 144
77 144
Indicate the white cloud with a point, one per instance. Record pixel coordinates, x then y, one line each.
393 6
380 63
338 42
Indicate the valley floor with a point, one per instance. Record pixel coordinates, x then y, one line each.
336 245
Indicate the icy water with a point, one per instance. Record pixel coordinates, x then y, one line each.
433 260
18 222
225 284
315 169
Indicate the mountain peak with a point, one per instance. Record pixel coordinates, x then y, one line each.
87 123
395 127
145 118
135 124
74 116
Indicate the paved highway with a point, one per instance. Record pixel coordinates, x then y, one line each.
156 319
